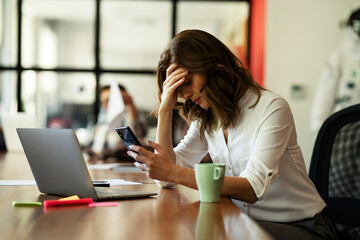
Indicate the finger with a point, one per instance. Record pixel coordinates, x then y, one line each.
141 150
170 72
177 84
141 166
175 76
155 146
170 69
137 157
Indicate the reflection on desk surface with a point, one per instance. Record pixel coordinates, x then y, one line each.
173 214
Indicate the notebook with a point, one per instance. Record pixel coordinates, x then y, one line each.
58 166
9 124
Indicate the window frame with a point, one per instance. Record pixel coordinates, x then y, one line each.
97 70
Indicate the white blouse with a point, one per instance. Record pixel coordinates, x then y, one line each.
262 148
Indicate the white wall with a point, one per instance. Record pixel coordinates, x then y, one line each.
299 39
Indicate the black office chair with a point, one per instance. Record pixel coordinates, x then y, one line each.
335 169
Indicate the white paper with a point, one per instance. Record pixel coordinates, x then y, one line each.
113 182
17 183
105 166
116 103
117 182
100 138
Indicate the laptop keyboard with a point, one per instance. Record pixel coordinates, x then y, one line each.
113 193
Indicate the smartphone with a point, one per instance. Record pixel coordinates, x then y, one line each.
128 137
101 183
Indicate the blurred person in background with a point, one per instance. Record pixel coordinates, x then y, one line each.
106 143
339 84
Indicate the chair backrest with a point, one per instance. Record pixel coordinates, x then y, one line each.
335 168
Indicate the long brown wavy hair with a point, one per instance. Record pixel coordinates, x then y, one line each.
227 80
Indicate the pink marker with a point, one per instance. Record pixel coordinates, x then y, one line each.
104 204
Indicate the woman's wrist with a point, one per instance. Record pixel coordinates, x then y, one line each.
164 112
175 173
183 176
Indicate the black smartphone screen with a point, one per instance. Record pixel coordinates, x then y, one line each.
100 183
128 137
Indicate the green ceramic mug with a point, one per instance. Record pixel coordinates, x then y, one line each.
209 179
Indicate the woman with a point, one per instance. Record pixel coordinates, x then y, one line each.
247 128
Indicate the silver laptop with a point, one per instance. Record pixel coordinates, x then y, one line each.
58 166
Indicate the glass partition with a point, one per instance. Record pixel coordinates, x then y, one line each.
8 32
60 100
133 33
8 86
142 88
65 53
228 21
58 33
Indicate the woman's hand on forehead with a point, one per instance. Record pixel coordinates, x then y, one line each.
175 74
170 69
174 68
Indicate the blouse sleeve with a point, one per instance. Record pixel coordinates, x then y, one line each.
276 129
191 149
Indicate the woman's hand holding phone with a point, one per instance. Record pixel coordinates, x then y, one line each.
159 165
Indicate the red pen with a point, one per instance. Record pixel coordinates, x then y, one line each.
53 203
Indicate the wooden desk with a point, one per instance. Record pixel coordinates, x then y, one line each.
173 214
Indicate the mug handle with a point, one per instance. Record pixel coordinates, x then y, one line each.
218 172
